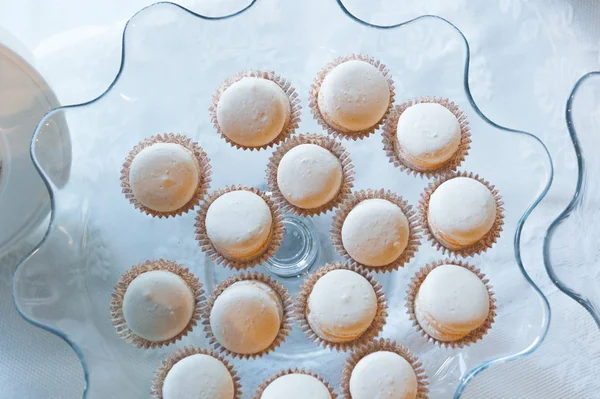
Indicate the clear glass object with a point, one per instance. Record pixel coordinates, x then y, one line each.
172 62
571 249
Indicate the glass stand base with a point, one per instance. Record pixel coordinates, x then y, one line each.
298 251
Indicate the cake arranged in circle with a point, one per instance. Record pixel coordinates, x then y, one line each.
375 232
461 212
383 375
252 111
428 136
451 302
353 95
239 224
246 317
296 386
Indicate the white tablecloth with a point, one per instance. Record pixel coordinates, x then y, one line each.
527 54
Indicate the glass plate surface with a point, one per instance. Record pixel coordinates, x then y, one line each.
571 249
172 62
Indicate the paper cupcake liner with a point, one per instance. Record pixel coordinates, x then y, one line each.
285 85
392 147
168 363
414 238
413 289
385 345
329 144
316 86
479 247
203 165
286 325
116 303
273 243
302 305
266 383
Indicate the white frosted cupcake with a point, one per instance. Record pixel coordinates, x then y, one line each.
255 109
295 384
352 95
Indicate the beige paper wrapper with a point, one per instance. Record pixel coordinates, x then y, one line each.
288 313
285 85
392 147
414 238
168 363
302 307
329 144
267 382
313 101
203 165
116 303
385 345
479 247
413 289
273 243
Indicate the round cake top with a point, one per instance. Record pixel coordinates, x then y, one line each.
309 176
296 386
375 232
341 306
246 317
253 111
198 377
158 305
428 133
383 375
354 96
164 176
462 209
454 297
238 223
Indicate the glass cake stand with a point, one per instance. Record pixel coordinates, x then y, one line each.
571 247
172 61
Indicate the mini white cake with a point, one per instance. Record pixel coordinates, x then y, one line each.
461 212
341 306
158 305
375 232
383 375
451 302
354 96
309 176
198 376
238 224
428 135
246 317
164 176
253 111
296 386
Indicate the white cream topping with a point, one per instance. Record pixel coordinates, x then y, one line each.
354 96
428 133
296 386
375 232
238 223
158 305
454 298
198 377
342 305
383 375
462 210
246 317
253 111
164 176
309 176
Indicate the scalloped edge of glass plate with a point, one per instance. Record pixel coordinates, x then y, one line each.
582 299
466 379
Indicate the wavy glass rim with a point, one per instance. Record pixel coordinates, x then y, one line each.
582 299
466 379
